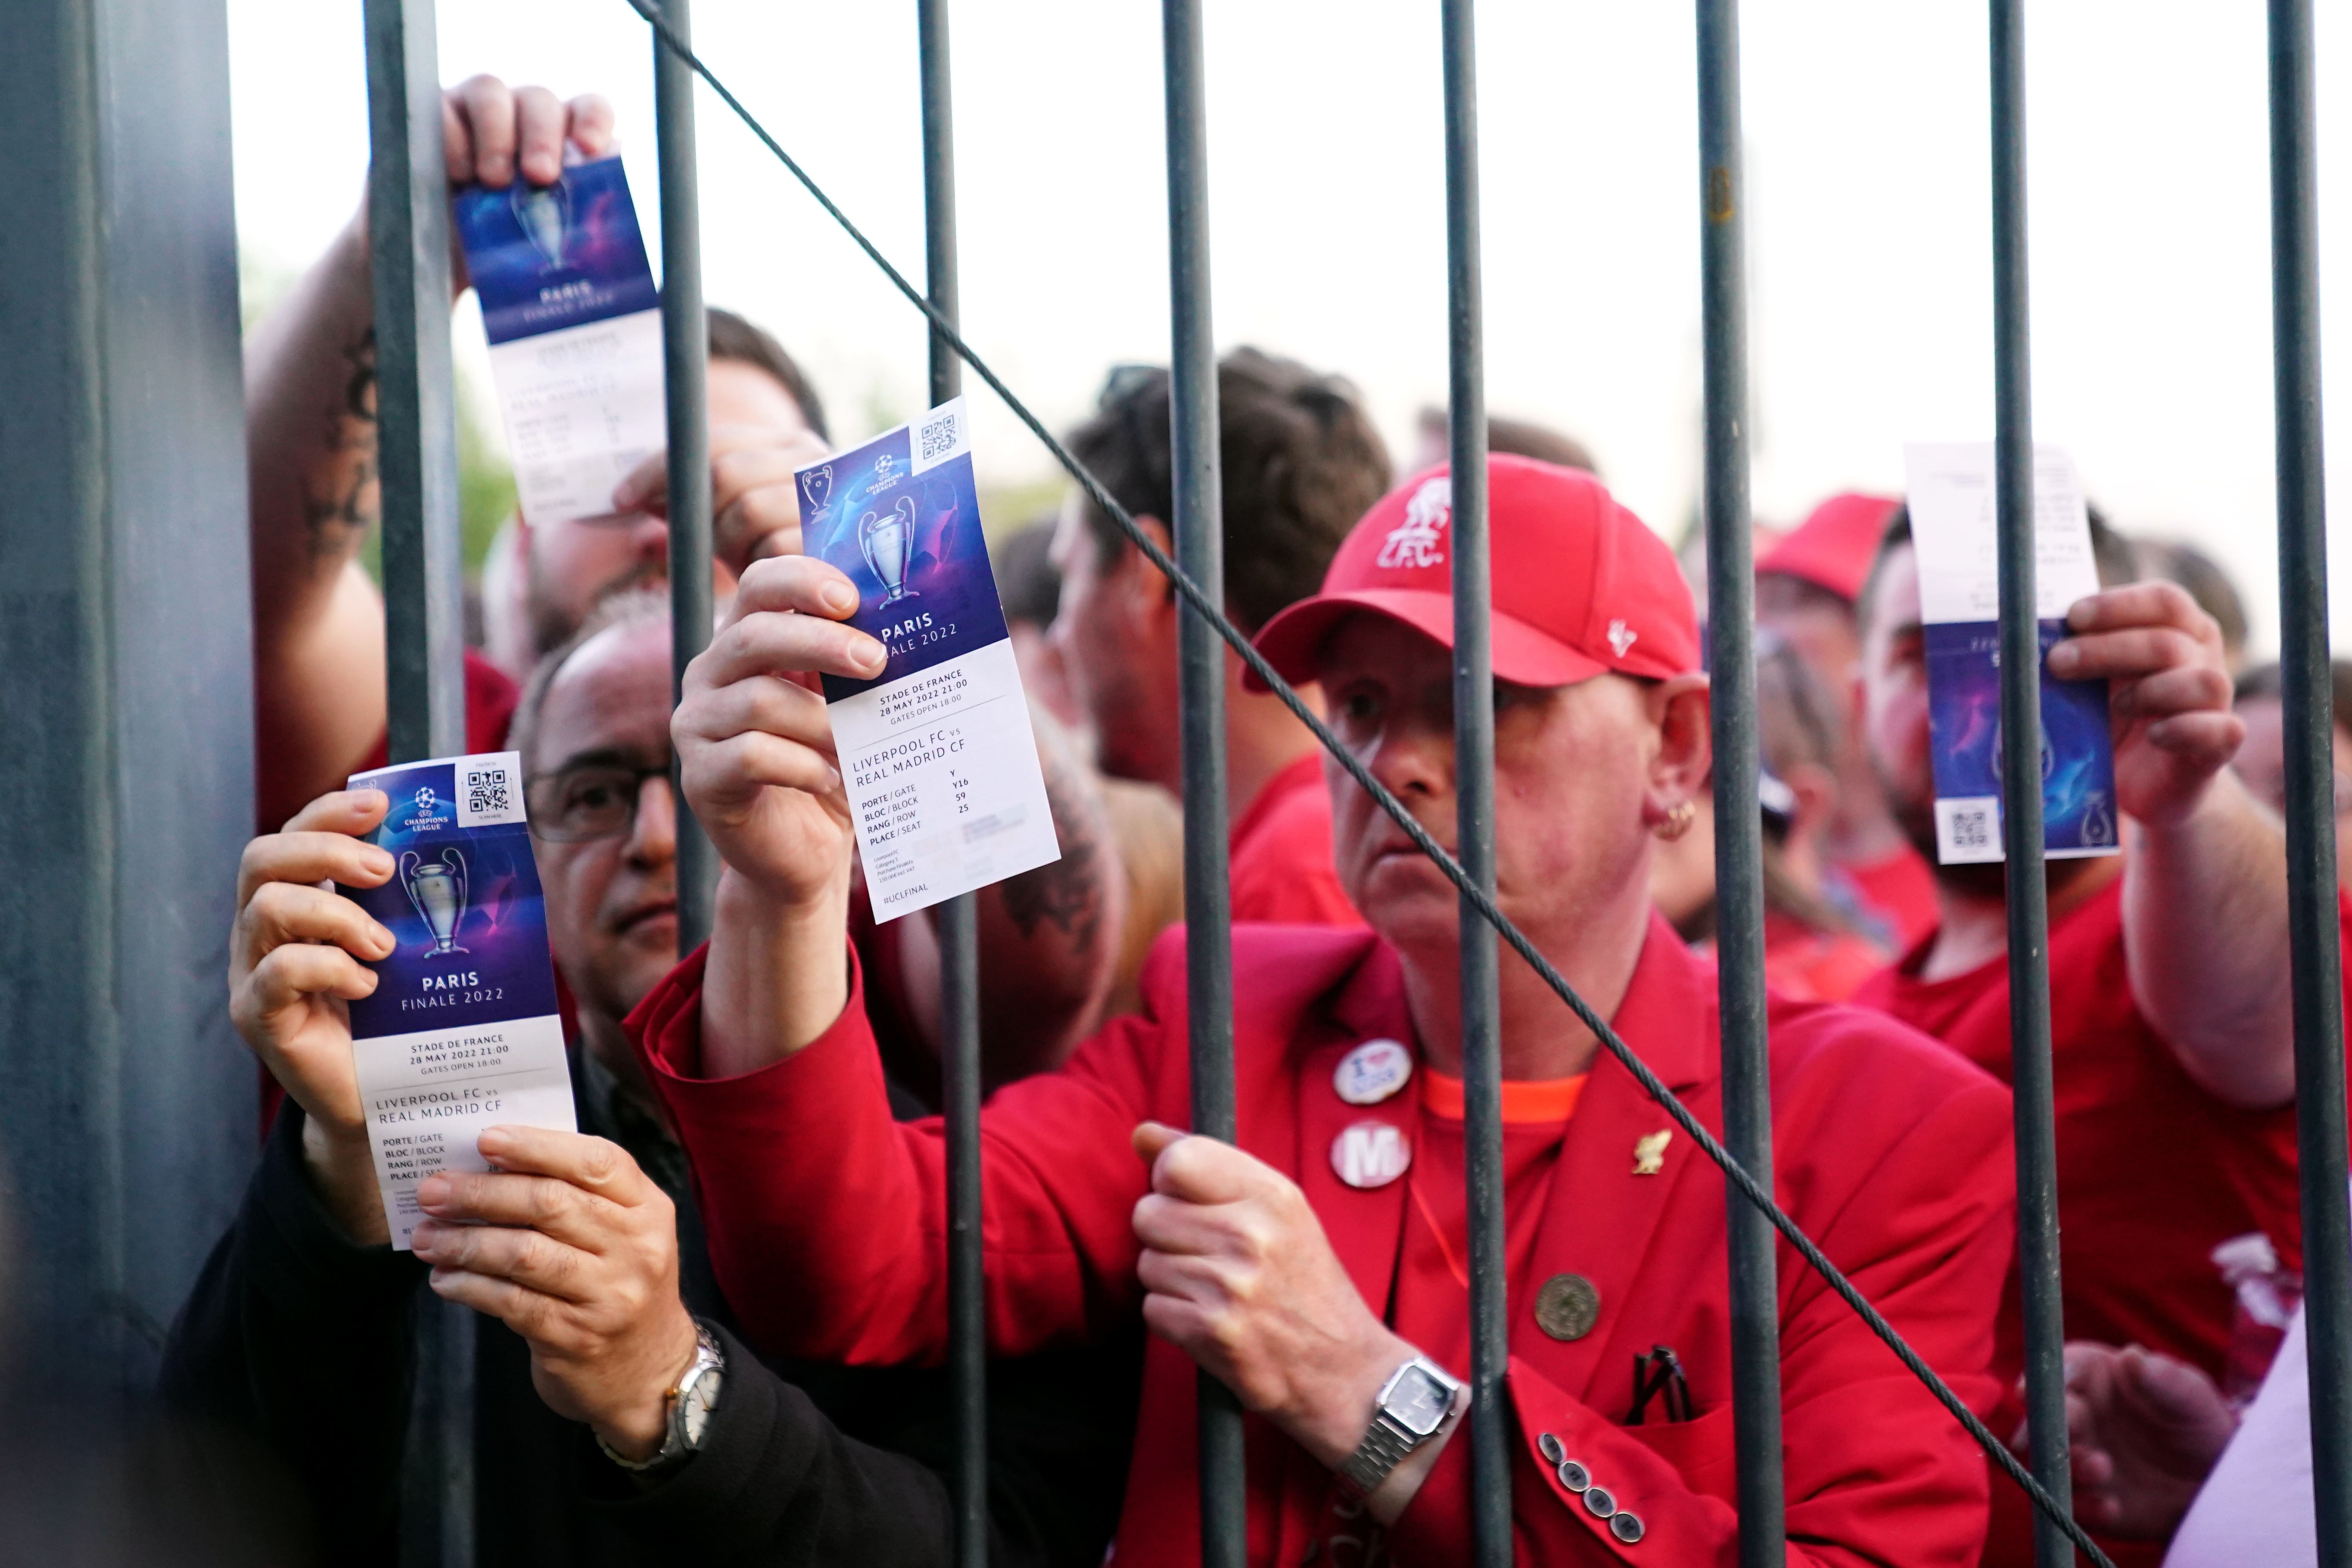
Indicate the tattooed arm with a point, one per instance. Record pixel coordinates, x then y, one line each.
1048 938
311 455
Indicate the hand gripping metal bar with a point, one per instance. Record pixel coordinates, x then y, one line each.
1486 908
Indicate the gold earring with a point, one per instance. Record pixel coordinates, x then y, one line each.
1677 822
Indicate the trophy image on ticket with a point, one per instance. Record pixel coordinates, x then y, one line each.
887 541
545 212
437 889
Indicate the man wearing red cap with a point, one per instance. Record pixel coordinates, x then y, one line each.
1319 1267
1806 588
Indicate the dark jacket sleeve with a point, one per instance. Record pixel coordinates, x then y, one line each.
300 1342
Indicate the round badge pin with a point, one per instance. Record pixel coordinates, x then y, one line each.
1373 1072
1371 1154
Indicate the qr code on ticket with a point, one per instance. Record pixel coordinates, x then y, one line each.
486 790
936 439
1967 829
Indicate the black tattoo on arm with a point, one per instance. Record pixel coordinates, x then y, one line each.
343 501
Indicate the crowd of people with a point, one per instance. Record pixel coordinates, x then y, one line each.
758 1183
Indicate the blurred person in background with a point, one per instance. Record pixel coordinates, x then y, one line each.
310 440
1146 820
2171 1011
1806 586
1301 463
1523 438
2262 760
297 1339
1811 951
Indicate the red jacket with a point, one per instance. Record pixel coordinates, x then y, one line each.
825 1221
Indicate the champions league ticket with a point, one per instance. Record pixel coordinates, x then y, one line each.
575 323
462 1033
1951 497
936 752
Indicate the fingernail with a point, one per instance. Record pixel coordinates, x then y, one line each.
870 654
382 942
377 860
2063 658
625 496
840 598
491 1142
433 1191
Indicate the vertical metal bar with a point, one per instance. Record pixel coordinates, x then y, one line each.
2307 701
1197 481
1474 781
408 244
685 364
1739 824
958 923
408 247
2020 715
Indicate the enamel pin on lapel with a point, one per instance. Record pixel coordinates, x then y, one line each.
1371 1154
1650 1151
1373 1072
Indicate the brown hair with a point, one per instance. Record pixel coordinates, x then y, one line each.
1301 464
732 337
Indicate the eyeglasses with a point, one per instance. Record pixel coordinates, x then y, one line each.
593 800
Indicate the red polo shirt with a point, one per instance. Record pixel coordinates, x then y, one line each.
2153 1171
1280 854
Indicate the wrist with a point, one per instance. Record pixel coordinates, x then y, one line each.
1332 1420
342 1171
637 1423
778 975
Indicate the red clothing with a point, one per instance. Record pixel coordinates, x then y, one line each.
491 697
825 1221
1900 890
1806 965
2153 1171
1280 854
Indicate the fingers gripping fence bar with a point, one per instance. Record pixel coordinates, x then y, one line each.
1475 898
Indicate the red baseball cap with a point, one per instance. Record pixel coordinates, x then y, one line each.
1579 584
1833 548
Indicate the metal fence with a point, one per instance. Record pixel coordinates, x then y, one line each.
408 223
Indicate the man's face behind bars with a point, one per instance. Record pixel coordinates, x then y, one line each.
1583 773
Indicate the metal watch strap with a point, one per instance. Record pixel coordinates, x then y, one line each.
708 1357
1384 1447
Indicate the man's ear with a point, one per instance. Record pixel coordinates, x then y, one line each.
1816 789
1145 588
1681 707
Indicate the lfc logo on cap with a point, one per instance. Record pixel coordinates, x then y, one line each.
1420 539
1620 636
1371 1154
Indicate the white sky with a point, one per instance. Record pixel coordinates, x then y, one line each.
1869 234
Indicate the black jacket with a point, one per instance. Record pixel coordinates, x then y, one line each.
300 1342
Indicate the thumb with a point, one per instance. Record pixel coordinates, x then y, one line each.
1151 1139
2173 1387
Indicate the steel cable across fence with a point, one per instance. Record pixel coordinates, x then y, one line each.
1202 606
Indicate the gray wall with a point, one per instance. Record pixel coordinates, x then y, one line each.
127 1107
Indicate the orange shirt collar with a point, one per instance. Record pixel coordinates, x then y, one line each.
1524 1100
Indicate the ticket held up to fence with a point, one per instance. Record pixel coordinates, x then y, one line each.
575 323
462 1033
1951 490
936 752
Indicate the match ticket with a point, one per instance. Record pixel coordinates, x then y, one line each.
575 323
1951 497
937 750
462 1033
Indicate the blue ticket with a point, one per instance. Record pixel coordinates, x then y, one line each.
575 322
1950 495
937 752
463 1031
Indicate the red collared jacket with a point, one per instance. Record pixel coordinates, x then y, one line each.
826 1221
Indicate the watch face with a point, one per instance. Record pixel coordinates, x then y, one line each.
1418 1402
699 1400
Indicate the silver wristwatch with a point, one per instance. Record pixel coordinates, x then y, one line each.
691 1400
1411 1406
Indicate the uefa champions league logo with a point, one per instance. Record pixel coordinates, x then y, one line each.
437 888
887 542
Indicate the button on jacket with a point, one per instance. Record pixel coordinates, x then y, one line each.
827 1219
